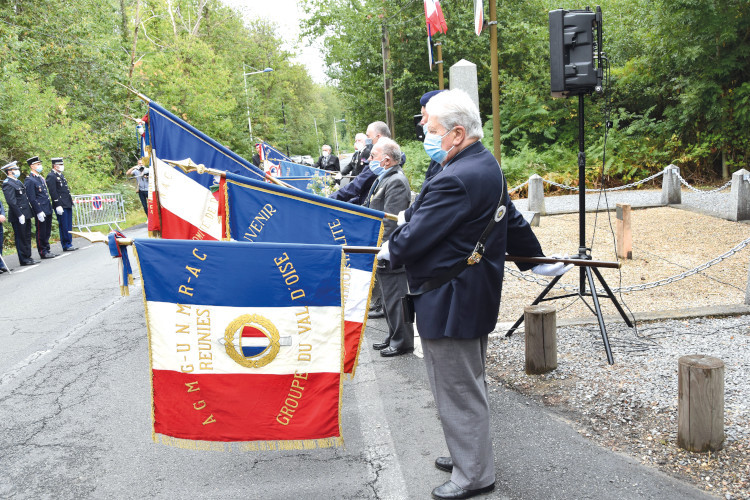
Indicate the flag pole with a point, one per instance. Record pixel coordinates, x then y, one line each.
494 82
133 91
98 237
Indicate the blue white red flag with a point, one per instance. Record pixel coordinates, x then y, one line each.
289 169
435 24
245 341
271 159
478 16
174 139
258 211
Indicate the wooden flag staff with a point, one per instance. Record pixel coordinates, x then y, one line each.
98 237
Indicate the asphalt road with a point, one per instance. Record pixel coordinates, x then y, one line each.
75 416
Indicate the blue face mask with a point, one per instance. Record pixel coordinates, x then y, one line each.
368 142
376 168
434 148
424 129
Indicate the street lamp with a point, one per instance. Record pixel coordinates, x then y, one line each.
247 101
335 132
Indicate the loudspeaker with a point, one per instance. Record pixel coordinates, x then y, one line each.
418 130
573 68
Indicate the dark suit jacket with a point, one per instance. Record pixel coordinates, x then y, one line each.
59 191
330 163
36 190
443 226
15 195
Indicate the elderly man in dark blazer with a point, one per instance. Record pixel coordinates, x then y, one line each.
391 193
457 304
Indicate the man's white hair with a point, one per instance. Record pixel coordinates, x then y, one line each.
360 137
455 107
389 149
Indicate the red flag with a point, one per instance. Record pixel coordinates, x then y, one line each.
478 16
434 16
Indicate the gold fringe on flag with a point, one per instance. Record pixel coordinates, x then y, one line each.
249 446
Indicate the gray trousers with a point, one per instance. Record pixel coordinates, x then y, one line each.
393 286
456 369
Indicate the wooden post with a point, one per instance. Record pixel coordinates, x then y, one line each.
624 233
700 404
541 338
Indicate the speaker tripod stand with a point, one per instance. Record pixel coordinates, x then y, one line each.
587 273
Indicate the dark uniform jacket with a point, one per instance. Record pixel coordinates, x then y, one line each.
360 159
359 188
36 190
392 194
18 202
59 191
330 162
443 226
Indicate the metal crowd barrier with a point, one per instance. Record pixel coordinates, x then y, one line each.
98 209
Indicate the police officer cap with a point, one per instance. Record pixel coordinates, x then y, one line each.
32 160
429 95
9 166
57 161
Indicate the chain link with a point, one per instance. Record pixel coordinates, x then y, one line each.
618 188
638 288
696 190
517 187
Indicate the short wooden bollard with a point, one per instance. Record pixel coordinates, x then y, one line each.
700 404
624 233
541 338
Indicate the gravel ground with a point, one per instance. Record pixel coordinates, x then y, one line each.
631 407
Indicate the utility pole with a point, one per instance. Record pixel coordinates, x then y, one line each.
388 82
495 85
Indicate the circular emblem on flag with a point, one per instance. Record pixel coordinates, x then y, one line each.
252 341
97 202
500 213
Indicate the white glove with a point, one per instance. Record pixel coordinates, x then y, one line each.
59 210
40 216
22 219
384 253
338 176
401 219
556 269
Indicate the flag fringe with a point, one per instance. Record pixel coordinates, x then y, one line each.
249 446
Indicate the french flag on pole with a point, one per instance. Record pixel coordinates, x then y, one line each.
187 206
245 342
258 211
435 23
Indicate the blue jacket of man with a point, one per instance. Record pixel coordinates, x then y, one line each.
443 225
36 190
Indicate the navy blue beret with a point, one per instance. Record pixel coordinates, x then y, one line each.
429 95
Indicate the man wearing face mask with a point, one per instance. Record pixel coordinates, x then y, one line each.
434 167
62 200
36 190
453 242
356 191
390 193
328 161
19 212
360 156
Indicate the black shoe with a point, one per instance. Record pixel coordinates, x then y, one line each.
377 313
49 255
444 463
378 346
3 270
451 490
70 249
30 262
376 305
389 352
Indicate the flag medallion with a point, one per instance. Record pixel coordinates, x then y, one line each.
252 341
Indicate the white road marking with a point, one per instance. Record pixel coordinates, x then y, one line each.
379 450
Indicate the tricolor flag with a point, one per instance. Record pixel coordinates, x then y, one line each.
257 211
174 139
271 159
478 16
435 23
245 341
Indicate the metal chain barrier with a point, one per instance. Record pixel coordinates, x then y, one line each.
517 187
637 288
696 190
618 188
